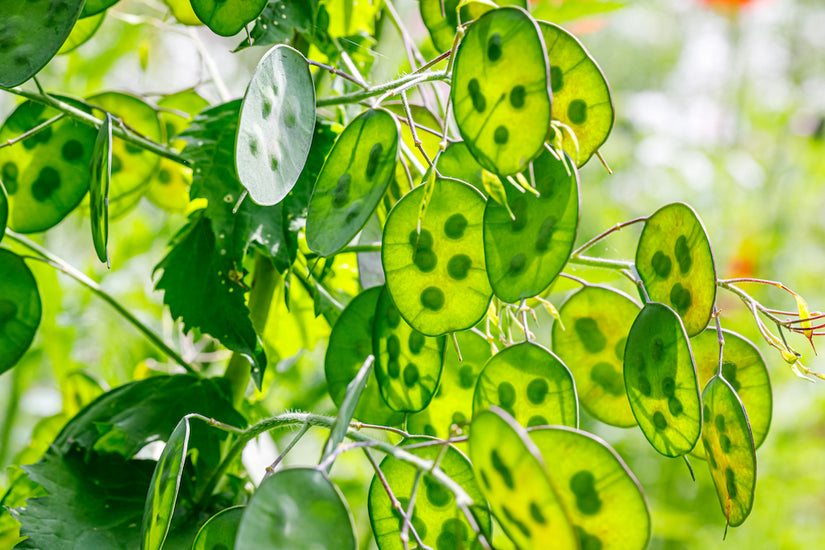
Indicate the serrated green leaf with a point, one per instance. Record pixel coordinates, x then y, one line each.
675 261
661 383
296 509
596 322
227 17
99 189
32 32
531 384
220 529
276 124
728 444
435 517
20 309
504 120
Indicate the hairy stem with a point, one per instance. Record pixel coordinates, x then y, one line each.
400 83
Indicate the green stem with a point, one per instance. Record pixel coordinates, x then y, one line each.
600 262
355 97
349 249
84 117
61 265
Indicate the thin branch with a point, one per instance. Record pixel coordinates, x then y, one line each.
36 130
395 86
271 468
604 234
337 72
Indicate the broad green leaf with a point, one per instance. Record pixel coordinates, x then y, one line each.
408 364
227 17
93 7
525 253
661 383
219 532
436 276
352 398
47 174
276 124
132 167
601 495
453 402
744 369
504 120
19 309
296 509
457 162
4 210
215 305
99 189
163 488
279 22
728 444
515 481
350 343
355 176
581 96
83 30
31 34
596 321
435 517
441 18
531 384
675 261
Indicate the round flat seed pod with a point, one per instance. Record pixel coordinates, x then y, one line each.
83 30
219 532
514 479
581 96
350 343
31 33
660 378
531 384
457 162
525 254
47 174
504 120
408 364
435 518
227 17
132 167
675 261
453 402
728 445
744 369
183 12
276 125
296 509
19 309
354 177
436 276
602 496
101 175
596 322
441 17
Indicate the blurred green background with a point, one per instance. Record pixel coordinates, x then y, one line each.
720 105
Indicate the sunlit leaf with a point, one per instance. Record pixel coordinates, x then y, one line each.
20 309
675 261
441 17
227 17
531 384
99 189
83 30
596 321
220 529
296 509
661 383
504 120
457 162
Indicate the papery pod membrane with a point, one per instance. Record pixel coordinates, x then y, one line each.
20 308
458 162
602 496
504 120
437 521
441 17
596 321
82 32
408 364
227 17
744 369
436 276
661 383
99 190
531 384
31 33
132 167
581 95
453 402
296 509
276 125
220 529
524 255
728 445
350 343
354 177
675 261
46 175
514 479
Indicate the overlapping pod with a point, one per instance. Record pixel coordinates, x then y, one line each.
227 17
20 308
99 190
222 528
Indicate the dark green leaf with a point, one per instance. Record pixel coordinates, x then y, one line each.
221 529
92 7
19 309
227 17
99 189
